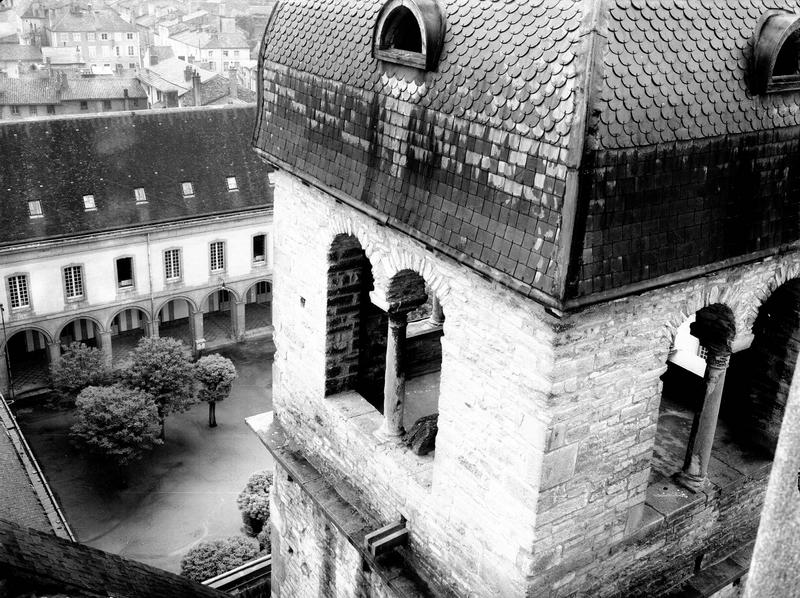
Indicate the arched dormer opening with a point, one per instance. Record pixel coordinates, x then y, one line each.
410 33
776 53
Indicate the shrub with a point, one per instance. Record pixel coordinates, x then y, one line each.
212 558
116 423
253 501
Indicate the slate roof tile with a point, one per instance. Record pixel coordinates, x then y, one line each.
57 161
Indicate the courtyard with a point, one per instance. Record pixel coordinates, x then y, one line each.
183 492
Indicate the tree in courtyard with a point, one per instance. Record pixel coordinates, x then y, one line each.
253 502
80 366
209 559
116 423
215 374
161 368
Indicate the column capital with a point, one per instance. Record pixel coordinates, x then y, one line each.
717 359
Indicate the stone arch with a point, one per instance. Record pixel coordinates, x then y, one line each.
140 307
724 294
236 296
62 323
22 328
387 262
159 306
783 274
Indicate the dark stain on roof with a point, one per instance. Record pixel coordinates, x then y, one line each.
58 161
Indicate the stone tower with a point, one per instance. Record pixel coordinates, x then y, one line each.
570 229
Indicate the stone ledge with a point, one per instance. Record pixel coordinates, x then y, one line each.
393 568
714 578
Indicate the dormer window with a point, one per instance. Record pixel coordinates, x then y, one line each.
35 209
231 182
409 32
140 195
188 189
776 53
88 203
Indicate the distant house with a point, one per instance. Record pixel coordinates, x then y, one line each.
16 58
220 51
29 97
174 82
104 40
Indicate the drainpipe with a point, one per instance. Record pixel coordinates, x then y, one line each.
153 316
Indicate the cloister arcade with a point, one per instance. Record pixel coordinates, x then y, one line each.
202 319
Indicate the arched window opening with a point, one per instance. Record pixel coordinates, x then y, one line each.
787 64
356 329
402 32
258 309
219 316
175 321
695 438
127 328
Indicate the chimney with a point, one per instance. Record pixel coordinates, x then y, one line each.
196 89
187 73
233 88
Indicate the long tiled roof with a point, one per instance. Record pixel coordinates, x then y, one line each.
677 70
24 92
102 88
51 565
473 159
20 52
58 161
92 20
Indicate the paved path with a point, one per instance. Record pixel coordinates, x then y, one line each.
183 492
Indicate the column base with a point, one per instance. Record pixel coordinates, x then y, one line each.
199 344
691 482
385 435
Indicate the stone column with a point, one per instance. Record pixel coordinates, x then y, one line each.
437 313
151 328
105 347
394 388
701 439
197 330
4 376
54 352
238 317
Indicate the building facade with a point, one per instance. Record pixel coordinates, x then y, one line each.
576 185
105 41
168 233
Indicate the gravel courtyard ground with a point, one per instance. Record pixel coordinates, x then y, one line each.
183 492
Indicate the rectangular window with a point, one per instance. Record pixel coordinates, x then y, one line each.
92 51
33 110
130 35
76 37
225 53
73 282
18 291
106 104
217 256
125 272
51 109
104 36
14 109
90 36
140 195
88 203
84 105
231 182
117 50
188 189
130 50
172 264
106 52
260 249
132 65
236 53
35 209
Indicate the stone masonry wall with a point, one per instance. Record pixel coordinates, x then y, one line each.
470 506
605 401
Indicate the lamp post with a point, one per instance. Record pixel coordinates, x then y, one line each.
5 351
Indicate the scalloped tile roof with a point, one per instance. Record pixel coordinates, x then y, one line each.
676 70
472 157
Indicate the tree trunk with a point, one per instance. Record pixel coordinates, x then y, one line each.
161 420
212 414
